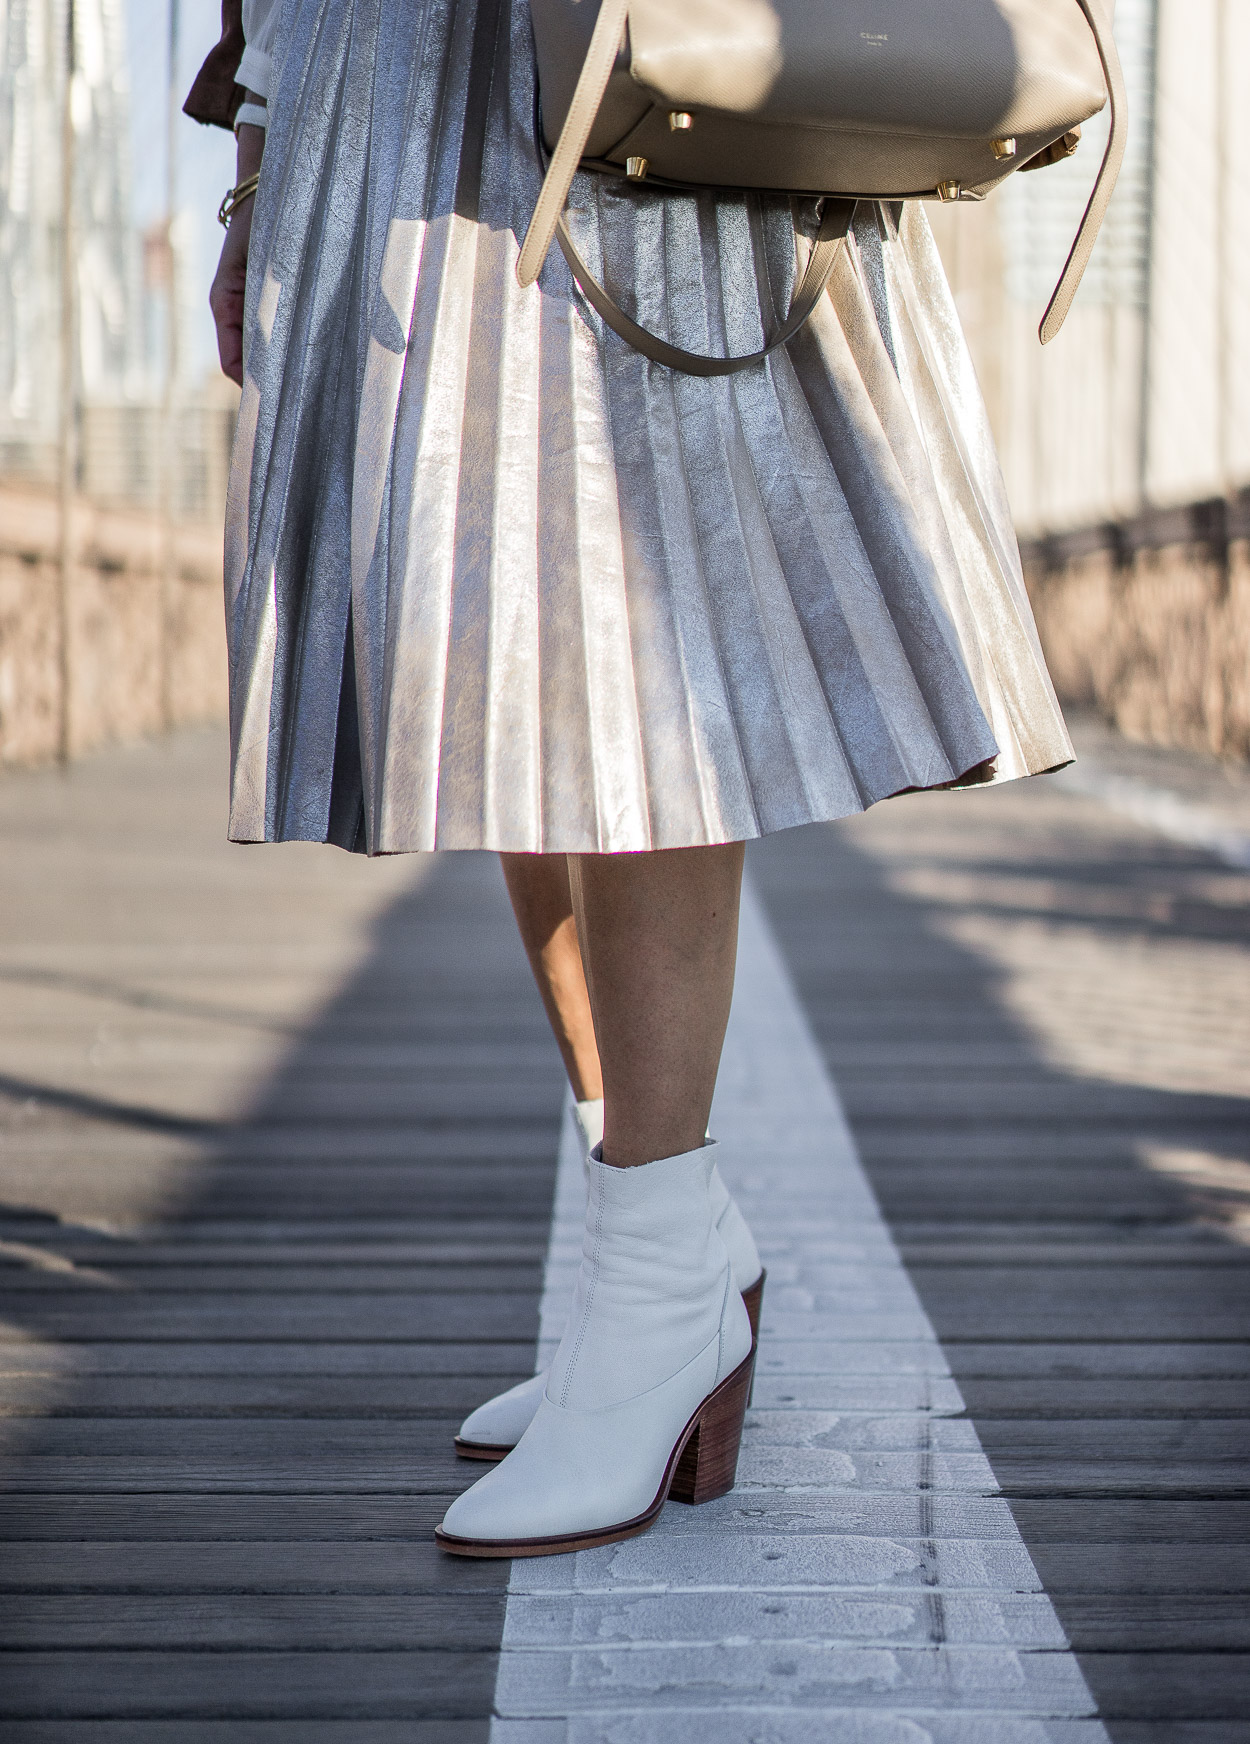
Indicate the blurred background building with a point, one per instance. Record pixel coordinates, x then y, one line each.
1126 443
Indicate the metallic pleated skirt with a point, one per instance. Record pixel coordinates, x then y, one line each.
496 581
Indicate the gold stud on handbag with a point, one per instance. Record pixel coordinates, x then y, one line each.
846 99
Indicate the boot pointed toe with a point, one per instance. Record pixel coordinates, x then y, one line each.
495 1427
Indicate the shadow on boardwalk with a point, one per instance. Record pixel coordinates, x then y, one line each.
236 1349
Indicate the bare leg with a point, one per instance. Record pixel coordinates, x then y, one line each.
659 938
539 887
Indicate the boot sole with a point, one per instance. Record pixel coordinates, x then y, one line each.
700 1468
495 1451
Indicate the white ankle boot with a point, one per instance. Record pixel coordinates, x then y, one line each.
649 1385
495 1427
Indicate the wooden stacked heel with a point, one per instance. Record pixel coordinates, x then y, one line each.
709 1461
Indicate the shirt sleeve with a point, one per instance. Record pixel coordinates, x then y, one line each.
260 24
215 96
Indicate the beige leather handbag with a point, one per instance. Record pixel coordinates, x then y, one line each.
853 99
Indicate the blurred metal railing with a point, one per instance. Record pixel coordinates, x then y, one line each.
129 454
113 456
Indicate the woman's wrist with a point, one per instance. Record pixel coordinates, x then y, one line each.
249 141
251 148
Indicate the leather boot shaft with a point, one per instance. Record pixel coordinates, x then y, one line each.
652 1262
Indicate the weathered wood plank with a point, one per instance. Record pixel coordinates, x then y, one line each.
445 1397
328 1149
1181 1621
77 1190
1162 1303
1103 1396
66 1361
1156 1522
281 1250
307 1731
1182 1732
1079 1358
1214 1440
432 1475
307 1623
259 1278
452 1315
295 1566
433 1683
1162 1566
1196 1252
410 1519
1026 1098
208 1440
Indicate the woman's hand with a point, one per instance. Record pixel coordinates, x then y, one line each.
225 299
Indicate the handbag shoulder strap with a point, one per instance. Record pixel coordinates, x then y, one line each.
1104 186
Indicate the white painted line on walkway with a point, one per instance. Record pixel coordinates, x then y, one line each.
865 1582
1158 810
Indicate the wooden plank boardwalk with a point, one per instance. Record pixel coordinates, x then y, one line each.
1038 1016
277 1144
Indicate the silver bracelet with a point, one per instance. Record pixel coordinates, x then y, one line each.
251 115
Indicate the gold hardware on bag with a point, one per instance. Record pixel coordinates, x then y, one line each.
1003 147
948 190
680 120
636 168
1055 152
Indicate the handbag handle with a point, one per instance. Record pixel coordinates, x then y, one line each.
834 224
548 223
1108 172
592 82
